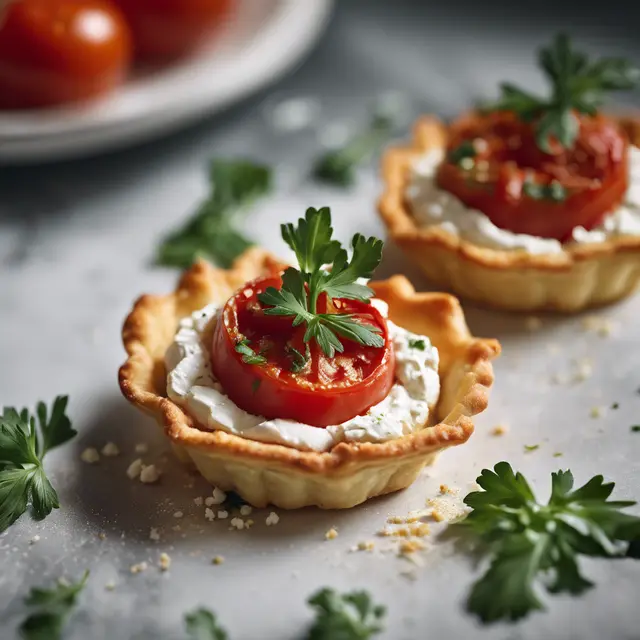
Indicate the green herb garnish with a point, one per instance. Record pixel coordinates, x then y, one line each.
338 166
528 448
23 446
202 624
298 360
635 428
464 151
249 356
351 616
51 609
554 191
314 247
211 233
577 85
420 345
533 544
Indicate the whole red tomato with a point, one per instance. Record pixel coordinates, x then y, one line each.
167 29
56 51
292 379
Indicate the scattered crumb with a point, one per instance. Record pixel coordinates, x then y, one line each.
533 323
237 523
165 562
499 430
150 474
154 534
90 455
223 515
142 447
138 568
596 412
35 539
110 450
102 535
272 519
178 514
529 448
408 547
583 370
444 488
198 501
218 496
209 514
602 326
217 560
110 586
245 510
332 534
248 523
438 516
366 546
135 468
209 501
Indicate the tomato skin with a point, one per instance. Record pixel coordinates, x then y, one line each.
58 51
164 30
272 391
594 173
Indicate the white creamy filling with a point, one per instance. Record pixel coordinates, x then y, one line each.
433 206
191 384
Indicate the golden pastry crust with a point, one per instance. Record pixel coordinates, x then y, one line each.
349 473
582 276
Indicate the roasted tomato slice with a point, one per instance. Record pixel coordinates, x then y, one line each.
56 51
295 380
525 190
167 29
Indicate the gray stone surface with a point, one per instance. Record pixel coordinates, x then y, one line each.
76 241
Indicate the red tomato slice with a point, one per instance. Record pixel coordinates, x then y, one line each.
593 174
56 51
326 391
167 29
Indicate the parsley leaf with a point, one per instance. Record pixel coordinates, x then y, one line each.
352 616
418 344
554 191
534 545
211 232
298 360
202 624
465 150
338 166
577 85
52 608
249 356
23 446
314 247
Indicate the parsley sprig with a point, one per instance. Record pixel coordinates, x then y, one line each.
211 233
577 85
202 624
23 446
51 609
533 544
314 247
352 616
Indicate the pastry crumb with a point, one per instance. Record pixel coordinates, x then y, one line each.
366 545
246 510
599 325
134 469
150 474
165 562
35 539
102 535
138 568
90 455
178 514
223 515
198 501
272 519
209 501
110 450
141 447
110 586
154 534
237 523
331 534
209 514
596 412
407 547
499 430
583 370
217 560
218 496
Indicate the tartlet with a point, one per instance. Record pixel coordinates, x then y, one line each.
349 473
579 277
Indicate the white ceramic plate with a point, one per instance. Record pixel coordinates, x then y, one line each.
266 39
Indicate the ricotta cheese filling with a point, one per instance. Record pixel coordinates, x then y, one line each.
432 206
191 384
